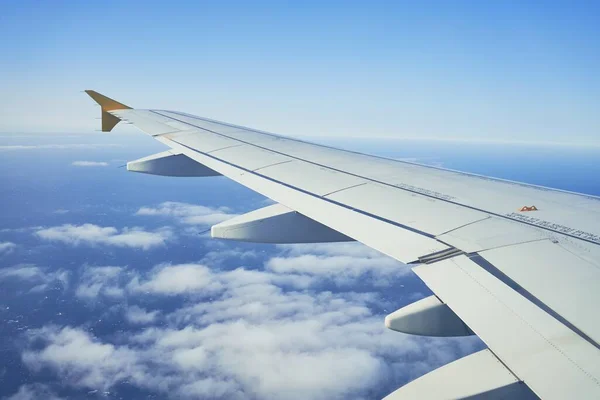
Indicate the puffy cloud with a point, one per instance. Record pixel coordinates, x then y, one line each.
341 263
7 247
79 358
97 235
243 334
340 269
350 249
189 214
24 272
96 281
89 164
41 278
137 315
34 391
176 279
201 281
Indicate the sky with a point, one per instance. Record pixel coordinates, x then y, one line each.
472 70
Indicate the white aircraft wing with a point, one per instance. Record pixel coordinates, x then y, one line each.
516 264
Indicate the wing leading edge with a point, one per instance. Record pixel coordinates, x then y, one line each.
518 264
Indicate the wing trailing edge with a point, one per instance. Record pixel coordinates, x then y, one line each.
477 376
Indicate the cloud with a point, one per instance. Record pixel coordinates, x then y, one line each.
328 346
34 391
57 146
7 247
351 249
137 315
100 281
243 333
40 278
188 214
341 263
80 358
97 235
89 164
340 269
176 279
307 325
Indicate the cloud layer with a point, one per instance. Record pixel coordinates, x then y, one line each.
7 247
91 234
96 281
244 333
189 214
37 278
89 164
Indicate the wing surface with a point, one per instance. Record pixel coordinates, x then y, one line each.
519 264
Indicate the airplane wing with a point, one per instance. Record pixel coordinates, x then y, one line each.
516 264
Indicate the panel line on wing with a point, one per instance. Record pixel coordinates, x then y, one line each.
337 203
504 364
492 269
346 188
226 147
467 224
274 164
164 133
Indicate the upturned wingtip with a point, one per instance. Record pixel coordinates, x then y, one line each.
107 104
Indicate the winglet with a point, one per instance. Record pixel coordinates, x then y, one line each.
107 104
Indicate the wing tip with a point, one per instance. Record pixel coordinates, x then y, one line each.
106 103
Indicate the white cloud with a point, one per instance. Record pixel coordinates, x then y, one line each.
341 263
176 279
327 346
34 391
97 235
244 333
7 247
79 358
137 315
89 164
189 214
96 281
40 278
24 272
340 269
351 249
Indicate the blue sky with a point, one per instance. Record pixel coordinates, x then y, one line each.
471 70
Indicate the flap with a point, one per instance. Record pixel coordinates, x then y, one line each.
540 349
477 376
